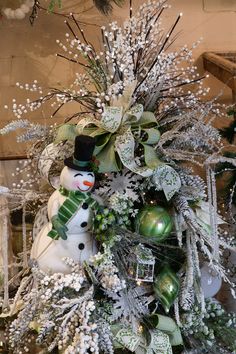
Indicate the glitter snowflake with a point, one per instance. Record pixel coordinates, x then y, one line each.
124 182
130 303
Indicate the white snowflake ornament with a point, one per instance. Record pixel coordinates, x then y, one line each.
124 182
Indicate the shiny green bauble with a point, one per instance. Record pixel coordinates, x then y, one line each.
166 287
154 222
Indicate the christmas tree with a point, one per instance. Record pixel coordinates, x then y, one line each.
130 262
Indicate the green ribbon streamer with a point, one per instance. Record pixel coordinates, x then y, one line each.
159 342
165 335
169 326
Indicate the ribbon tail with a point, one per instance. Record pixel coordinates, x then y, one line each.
125 146
111 118
159 344
167 179
169 326
125 338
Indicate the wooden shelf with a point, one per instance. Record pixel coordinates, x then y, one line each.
223 66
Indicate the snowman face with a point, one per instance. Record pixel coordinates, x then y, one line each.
74 180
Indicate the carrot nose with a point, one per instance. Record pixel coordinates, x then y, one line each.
87 183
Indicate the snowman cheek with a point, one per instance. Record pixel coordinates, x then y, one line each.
76 184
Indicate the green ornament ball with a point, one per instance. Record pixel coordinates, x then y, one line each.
166 287
154 222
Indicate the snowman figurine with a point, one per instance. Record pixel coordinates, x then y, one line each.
70 212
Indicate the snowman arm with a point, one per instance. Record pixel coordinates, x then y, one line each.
59 226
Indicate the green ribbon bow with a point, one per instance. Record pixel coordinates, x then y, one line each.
118 132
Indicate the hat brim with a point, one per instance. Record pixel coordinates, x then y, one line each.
69 163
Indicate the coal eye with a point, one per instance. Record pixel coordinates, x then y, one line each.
81 246
78 174
90 174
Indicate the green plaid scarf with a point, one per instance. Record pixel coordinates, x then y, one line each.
73 202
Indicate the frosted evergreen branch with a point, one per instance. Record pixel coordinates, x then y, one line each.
15 125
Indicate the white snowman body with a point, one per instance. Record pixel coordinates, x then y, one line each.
79 245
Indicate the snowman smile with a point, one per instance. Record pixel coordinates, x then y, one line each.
87 184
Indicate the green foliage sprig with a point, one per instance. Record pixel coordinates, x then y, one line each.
118 213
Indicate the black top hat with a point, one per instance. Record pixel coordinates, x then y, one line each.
83 152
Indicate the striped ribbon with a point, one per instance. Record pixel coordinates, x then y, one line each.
71 205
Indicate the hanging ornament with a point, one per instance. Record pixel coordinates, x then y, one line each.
141 264
154 222
210 281
166 287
